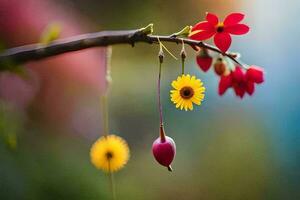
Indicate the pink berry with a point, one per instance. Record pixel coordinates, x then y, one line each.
164 151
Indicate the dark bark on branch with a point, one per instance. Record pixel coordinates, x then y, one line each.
34 52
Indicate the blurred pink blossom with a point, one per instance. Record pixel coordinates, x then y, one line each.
63 81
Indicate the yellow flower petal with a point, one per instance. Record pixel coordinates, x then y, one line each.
190 105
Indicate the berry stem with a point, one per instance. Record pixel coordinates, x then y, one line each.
162 134
159 97
160 58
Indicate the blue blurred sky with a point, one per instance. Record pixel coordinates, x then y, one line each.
273 43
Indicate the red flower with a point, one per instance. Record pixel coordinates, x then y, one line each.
241 82
225 83
255 74
220 30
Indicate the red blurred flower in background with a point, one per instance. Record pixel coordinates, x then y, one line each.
61 89
220 30
241 82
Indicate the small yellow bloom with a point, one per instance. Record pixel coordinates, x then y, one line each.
187 90
109 153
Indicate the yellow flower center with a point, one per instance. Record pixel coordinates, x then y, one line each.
109 155
220 27
186 92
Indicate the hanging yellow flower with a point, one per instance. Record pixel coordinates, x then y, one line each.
187 90
109 153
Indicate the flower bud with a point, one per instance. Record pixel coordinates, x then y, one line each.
220 67
204 60
164 150
161 56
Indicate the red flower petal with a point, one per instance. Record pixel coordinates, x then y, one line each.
207 26
238 29
204 62
233 19
250 87
238 75
212 18
255 74
239 91
224 84
202 35
222 41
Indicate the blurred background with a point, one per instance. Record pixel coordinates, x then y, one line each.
227 149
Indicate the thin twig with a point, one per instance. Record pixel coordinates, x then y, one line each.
23 54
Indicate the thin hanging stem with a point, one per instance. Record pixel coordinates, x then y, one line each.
105 120
108 77
112 182
182 66
105 115
159 96
183 56
108 80
160 58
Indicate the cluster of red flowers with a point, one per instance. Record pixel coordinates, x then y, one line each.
241 81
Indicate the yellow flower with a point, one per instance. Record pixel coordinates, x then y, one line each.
188 90
109 153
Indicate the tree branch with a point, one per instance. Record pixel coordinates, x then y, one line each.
23 54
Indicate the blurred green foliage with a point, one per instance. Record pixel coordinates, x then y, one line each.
10 125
